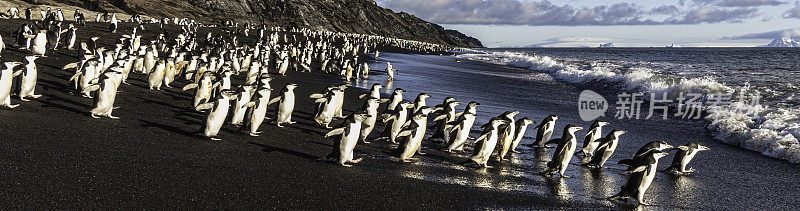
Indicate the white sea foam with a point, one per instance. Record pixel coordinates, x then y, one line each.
772 131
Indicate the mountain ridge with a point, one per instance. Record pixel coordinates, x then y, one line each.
352 16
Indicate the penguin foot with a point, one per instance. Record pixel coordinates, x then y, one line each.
36 96
215 139
641 203
407 160
24 100
254 135
356 160
346 165
291 123
96 117
279 125
11 106
422 153
515 151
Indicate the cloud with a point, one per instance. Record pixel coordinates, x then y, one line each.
572 42
665 10
714 15
749 3
793 33
794 12
540 13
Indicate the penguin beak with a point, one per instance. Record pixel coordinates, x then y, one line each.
668 146
579 128
704 148
623 132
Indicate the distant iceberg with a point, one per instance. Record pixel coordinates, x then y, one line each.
674 46
607 45
783 42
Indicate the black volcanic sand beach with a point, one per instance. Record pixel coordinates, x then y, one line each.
54 155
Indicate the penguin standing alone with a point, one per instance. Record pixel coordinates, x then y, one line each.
350 134
6 78
545 130
684 155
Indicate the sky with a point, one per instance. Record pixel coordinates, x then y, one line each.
581 23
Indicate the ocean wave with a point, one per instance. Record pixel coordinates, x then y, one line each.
772 131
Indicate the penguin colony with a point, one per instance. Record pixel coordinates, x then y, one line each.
209 61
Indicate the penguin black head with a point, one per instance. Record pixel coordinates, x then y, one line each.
495 122
510 114
360 117
572 128
473 104
694 145
599 123
526 121
453 103
617 132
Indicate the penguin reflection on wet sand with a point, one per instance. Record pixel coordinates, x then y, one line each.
682 158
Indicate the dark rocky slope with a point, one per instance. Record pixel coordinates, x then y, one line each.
355 16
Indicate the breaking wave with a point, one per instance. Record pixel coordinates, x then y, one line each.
773 131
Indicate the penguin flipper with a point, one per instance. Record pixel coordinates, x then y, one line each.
250 104
275 100
317 95
92 88
439 118
190 86
483 136
334 132
70 66
639 169
626 162
17 73
205 106
404 133
362 96
553 141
